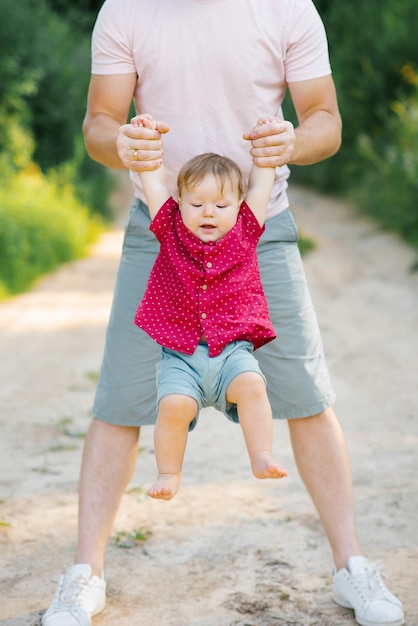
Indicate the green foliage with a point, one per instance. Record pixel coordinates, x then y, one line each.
58 105
46 178
130 539
41 225
305 244
374 57
16 52
370 44
44 75
389 192
81 12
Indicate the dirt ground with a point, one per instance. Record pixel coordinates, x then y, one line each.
228 550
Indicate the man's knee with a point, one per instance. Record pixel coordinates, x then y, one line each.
105 431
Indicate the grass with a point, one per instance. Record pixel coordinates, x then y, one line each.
129 539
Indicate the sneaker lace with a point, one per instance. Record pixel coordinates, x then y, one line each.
374 586
71 594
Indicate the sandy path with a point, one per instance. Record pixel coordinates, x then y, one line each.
229 550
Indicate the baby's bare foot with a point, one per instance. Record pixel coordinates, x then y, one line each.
264 466
166 487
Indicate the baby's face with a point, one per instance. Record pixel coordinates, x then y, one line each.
209 211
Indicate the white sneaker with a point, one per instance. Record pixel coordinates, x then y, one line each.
360 587
78 597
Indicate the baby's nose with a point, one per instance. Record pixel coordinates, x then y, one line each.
208 210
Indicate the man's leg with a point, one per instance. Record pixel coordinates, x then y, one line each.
321 456
298 385
322 459
109 458
125 399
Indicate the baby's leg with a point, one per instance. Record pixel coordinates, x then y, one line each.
175 412
248 392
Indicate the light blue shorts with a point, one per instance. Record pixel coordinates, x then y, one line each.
205 378
298 383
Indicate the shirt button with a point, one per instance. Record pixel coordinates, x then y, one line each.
208 264
204 287
203 316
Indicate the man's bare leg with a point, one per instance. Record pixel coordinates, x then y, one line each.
321 456
109 459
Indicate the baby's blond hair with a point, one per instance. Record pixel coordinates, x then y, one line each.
210 163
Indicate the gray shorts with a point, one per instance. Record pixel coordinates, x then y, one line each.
205 378
297 377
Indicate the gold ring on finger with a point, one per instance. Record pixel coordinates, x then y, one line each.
135 155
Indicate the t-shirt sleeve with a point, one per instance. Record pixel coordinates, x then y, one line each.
306 56
111 49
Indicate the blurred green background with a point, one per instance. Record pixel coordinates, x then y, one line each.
54 200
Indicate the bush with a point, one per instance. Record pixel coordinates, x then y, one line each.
370 43
374 57
43 94
389 190
42 224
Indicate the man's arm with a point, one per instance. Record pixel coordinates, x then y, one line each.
109 140
317 136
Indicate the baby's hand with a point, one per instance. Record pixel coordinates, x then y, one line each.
145 120
266 120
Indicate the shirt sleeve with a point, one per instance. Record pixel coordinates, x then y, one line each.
306 56
163 222
252 228
111 49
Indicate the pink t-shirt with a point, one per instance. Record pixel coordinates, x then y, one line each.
200 288
210 68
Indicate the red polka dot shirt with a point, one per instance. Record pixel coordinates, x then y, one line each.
212 289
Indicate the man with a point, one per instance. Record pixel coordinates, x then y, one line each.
206 69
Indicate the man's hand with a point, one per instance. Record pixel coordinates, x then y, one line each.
139 145
273 142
